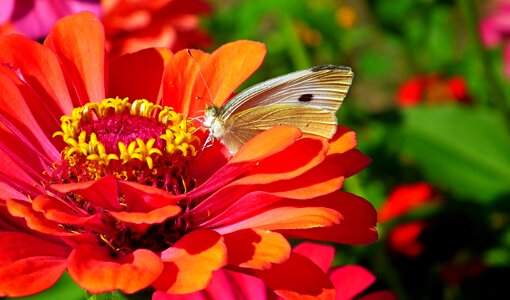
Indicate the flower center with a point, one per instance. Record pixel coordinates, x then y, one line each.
139 141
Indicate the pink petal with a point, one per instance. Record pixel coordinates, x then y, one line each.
322 255
350 281
298 278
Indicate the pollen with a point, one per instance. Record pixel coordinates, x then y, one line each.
136 140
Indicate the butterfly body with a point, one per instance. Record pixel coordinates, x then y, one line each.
306 99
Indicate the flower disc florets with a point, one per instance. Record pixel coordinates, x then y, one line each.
135 141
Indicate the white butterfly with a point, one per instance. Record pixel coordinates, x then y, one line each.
307 99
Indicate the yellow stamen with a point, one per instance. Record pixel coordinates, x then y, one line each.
177 139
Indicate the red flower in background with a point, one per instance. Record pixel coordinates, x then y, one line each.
118 192
432 89
402 200
132 25
34 18
349 281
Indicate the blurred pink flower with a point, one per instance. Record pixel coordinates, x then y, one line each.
35 18
495 30
349 281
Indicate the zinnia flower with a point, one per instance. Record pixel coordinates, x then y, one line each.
138 24
495 29
349 281
34 18
119 192
432 89
404 238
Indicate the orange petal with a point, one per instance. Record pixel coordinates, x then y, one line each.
295 160
156 216
267 143
79 40
248 156
29 59
356 227
288 217
35 220
228 67
137 75
95 269
29 264
256 249
298 278
189 263
94 191
55 210
321 180
343 140
178 80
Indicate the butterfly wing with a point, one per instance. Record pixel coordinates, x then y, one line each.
307 99
322 87
243 126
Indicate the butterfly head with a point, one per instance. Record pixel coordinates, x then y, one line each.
212 121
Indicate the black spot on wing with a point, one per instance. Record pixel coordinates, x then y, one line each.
305 98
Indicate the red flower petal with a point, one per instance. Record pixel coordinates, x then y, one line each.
189 263
405 198
357 225
55 210
30 61
298 278
29 264
321 255
35 220
178 80
350 281
295 160
379 295
285 217
138 75
28 112
95 269
78 40
143 198
253 151
228 67
94 192
256 249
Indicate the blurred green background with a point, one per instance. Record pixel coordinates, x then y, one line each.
430 104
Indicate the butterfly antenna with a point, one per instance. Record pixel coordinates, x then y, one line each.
201 76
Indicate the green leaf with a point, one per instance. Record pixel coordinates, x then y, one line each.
116 295
65 288
462 149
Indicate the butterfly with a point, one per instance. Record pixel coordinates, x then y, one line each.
307 99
